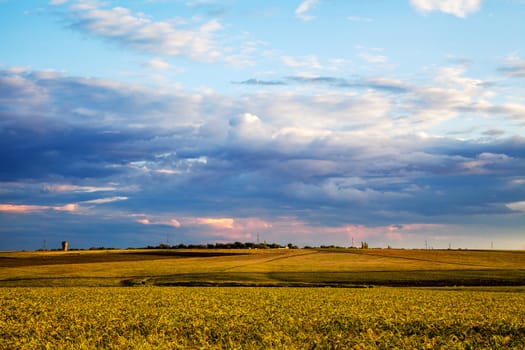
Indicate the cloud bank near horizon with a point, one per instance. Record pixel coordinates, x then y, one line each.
310 167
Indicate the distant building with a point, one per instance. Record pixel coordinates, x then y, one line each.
65 245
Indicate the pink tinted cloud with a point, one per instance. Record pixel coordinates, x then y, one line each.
229 223
23 209
394 232
68 207
225 227
229 228
219 223
20 209
165 222
345 233
249 229
173 222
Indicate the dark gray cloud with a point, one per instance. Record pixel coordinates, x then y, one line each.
514 67
260 82
68 152
359 83
380 84
211 8
494 132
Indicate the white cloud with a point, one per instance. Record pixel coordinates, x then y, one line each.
158 64
517 206
18 69
517 182
323 111
458 8
248 128
169 222
303 8
139 32
309 62
371 54
76 189
106 200
514 67
373 58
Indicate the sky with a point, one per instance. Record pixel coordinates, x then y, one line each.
318 122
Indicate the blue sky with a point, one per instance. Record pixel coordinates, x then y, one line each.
129 123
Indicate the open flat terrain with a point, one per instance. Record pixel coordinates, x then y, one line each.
265 267
212 299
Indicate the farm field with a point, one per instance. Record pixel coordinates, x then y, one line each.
252 299
271 267
261 318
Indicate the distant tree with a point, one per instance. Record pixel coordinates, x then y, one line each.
364 245
238 245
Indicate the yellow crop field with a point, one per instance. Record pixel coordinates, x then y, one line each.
305 267
261 318
250 299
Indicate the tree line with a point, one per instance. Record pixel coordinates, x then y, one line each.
234 245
